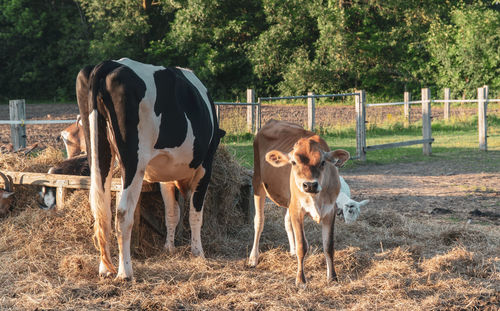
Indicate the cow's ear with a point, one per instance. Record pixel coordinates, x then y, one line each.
338 157
277 158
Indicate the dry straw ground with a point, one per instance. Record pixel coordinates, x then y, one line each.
398 256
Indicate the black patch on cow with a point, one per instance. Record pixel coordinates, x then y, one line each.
97 85
201 189
120 105
303 159
176 99
127 91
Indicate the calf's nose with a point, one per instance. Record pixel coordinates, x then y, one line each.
310 187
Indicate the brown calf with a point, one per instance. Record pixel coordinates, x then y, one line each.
74 139
297 170
5 194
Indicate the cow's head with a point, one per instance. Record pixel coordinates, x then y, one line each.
74 139
5 194
312 169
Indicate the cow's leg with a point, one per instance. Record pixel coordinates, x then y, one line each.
198 190
297 219
289 232
259 198
172 213
125 220
328 226
100 190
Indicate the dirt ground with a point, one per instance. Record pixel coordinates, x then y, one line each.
460 192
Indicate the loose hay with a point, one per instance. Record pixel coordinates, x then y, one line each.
384 261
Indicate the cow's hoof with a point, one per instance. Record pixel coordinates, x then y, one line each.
332 279
252 262
170 249
253 259
197 253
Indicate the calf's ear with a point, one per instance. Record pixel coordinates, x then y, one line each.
6 194
277 158
338 157
364 202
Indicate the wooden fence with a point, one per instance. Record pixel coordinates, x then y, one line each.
254 116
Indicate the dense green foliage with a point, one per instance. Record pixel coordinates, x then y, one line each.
284 47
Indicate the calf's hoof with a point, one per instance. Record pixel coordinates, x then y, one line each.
123 277
300 284
300 281
105 275
104 272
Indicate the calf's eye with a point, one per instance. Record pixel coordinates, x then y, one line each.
293 162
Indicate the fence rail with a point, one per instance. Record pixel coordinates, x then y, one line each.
30 122
308 96
63 182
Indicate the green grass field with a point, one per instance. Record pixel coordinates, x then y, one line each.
456 138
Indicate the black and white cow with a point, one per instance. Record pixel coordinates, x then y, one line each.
160 124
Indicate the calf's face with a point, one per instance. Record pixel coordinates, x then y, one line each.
47 198
5 201
311 172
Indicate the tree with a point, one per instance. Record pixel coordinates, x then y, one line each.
212 37
289 34
465 49
42 47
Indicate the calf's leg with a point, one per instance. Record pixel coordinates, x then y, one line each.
258 223
289 232
328 226
297 219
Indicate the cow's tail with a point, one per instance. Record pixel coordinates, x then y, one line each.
100 166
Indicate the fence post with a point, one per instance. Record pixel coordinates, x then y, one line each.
446 103
407 100
258 118
426 120
311 111
482 102
360 125
17 111
250 111
217 113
